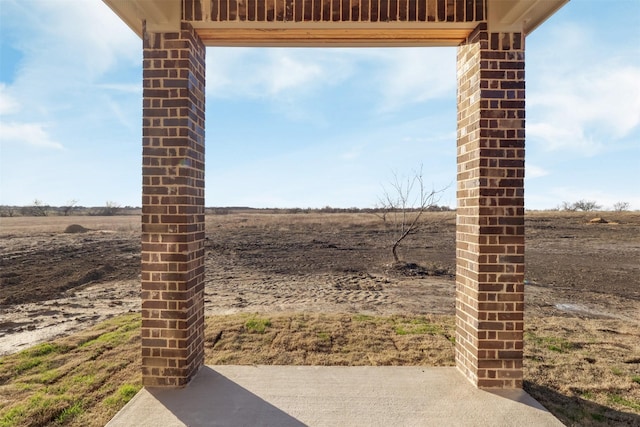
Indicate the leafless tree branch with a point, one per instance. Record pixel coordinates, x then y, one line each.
405 201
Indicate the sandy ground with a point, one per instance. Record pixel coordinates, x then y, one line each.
54 283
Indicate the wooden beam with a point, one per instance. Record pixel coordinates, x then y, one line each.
314 37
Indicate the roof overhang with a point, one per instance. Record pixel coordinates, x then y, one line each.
520 15
501 16
160 15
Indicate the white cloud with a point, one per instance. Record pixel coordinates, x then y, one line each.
72 80
415 75
88 35
33 134
67 47
588 110
130 88
534 171
8 104
288 73
271 73
577 104
354 152
399 77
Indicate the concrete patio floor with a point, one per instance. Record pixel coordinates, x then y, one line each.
331 396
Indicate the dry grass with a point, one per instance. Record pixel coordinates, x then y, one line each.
587 372
84 379
329 339
30 226
334 221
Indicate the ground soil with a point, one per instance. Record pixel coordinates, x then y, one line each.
582 313
55 282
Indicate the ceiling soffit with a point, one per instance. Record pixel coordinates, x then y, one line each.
335 22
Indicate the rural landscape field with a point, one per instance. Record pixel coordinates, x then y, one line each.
312 288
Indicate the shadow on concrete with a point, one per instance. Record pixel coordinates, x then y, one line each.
517 395
228 395
573 410
230 404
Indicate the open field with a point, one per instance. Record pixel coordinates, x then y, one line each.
319 289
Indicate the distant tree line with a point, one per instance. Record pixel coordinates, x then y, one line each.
591 205
326 209
40 208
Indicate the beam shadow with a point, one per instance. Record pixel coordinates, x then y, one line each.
212 399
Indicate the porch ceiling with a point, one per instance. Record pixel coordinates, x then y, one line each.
501 15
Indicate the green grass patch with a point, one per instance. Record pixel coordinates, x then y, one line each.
48 376
70 412
324 336
111 339
45 349
13 416
83 379
39 409
616 398
122 333
257 325
363 318
587 395
60 383
26 365
556 344
123 395
419 326
635 379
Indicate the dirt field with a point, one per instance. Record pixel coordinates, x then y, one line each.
55 282
580 278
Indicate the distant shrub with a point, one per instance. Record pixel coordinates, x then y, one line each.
38 208
581 205
621 206
109 209
7 211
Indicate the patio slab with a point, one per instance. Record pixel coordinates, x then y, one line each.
331 396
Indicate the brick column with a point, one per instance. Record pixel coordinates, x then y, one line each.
490 216
172 207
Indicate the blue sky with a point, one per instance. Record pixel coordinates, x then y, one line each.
310 127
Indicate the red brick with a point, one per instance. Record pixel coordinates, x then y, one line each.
490 235
173 206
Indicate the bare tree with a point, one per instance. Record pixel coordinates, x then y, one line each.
621 206
7 211
39 208
581 205
403 204
586 205
66 210
110 208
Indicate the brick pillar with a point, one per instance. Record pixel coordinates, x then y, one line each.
172 207
490 216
